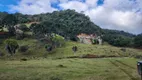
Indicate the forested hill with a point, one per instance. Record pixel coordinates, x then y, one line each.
67 23
68 18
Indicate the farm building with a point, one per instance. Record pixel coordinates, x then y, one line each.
87 39
84 38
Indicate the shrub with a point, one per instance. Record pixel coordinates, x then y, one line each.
1 41
58 40
19 34
11 42
74 48
23 59
48 47
28 35
94 41
23 48
123 49
1 53
11 46
24 28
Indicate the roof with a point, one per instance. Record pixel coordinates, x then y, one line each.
83 35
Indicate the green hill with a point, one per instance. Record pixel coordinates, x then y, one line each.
58 64
37 49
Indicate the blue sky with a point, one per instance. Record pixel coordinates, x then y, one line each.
4 4
110 14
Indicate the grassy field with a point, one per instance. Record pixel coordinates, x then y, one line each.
37 50
70 69
42 65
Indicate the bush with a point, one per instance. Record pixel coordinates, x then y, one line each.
28 35
1 53
24 28
58 41
94 41
1 41
11 46
19 34
23 48
12 42
48 47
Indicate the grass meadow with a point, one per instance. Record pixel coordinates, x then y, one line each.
70 69
43 65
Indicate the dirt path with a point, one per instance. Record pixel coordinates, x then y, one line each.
121 66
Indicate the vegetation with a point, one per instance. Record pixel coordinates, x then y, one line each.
68 24
46 49
138 41
11 46
118 38
24 28
36 49
70 69
58 66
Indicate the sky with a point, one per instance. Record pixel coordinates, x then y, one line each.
123 15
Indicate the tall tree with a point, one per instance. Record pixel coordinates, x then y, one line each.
138 41
9 21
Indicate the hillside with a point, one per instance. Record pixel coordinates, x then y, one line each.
37 49
70 69
68 24
43 44
58 64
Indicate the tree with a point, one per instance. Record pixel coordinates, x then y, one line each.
9 21
74 48
21 18
24 28
57 40
11 46
118 38
138 41
2 16
67 23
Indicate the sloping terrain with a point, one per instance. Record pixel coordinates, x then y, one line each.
70 69
55 65
37 49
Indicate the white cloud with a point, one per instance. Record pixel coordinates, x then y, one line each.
113 14
117 14
33 6
76 5
91 3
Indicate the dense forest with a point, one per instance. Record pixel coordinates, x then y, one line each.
68 24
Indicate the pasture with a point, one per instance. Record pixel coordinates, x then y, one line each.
70 69
55 65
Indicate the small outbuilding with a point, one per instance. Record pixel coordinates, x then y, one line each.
87 39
